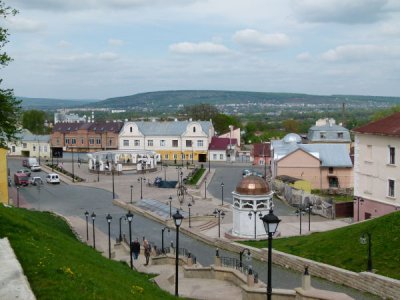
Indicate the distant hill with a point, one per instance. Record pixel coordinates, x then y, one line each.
50 103
161 99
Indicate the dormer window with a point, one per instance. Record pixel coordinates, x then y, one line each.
194 129
322 135
340 135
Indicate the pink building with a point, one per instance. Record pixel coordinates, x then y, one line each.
261 154
376 168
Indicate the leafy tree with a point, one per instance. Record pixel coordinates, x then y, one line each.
385 112
34 120
201 112
291 125
9 107
221 123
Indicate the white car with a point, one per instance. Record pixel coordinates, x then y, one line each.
52 178
35 168
35 180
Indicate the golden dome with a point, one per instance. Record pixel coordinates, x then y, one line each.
252 185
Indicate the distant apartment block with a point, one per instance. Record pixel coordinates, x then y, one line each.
376 168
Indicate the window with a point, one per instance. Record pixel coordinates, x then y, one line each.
13 149
392 157
330 170
57 141
199 143
340 135
214 156
24 145
175 156
391 188
66 141
136 143
82 141
150 143
221 157
333 182
166 156
130 129
322 135
73 141
91 141
194 129
182 156
191 155
34 148
45 148
110 142
162 143
188 143
98 141
175 143
126 143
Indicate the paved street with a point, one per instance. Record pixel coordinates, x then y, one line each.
73 200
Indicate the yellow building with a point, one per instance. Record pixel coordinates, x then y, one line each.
3 176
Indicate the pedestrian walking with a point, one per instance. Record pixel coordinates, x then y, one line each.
147 251
135 249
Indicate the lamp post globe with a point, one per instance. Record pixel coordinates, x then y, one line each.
178 218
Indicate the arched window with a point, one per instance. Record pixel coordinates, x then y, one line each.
130 128
194 129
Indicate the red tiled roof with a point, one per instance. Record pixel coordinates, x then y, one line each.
263 149
386 126
218 143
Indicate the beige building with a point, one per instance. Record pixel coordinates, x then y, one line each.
376 168
30 145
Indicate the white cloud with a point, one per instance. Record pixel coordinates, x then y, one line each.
25 25
108 56
206 48
340 11
361 53
304 56
255 39
115 42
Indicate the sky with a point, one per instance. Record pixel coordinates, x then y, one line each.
97 49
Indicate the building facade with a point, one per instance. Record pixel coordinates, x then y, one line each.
3 176
220 148
376 168
30 145
174 141
326 131
261 154
86 137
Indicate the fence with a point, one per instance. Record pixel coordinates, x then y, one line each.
231 262
182 251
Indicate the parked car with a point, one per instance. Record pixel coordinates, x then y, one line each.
27 172
21 179
29 162
52 178
35 168
246 172
35 180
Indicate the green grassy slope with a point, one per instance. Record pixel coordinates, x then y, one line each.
58 266
341 247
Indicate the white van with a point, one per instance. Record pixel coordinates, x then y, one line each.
52 178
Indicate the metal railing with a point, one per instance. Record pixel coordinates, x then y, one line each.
182 251
231 262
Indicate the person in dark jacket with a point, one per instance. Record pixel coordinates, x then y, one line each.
135 249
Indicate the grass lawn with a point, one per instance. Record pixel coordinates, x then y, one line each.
341 247
196 176
58 266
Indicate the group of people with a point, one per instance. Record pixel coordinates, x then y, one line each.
135 249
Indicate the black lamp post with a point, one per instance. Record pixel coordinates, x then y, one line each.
170 207
178 218
255 221
98 173
94 236
241 256
310 206
190 224
366 238
299 213
221 214
129 217
162 238
222 192
113 185
141 179
87 225
120 231
109 218
131 192
17 196
271 223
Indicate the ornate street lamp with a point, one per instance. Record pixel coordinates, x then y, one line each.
365 238
300 212
94 237
271 223
141 179
131 192
87 225
129 217
190 224
109 218
178 218
222 191
170 207
221 214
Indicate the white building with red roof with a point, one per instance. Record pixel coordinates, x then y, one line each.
222 149
377 168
